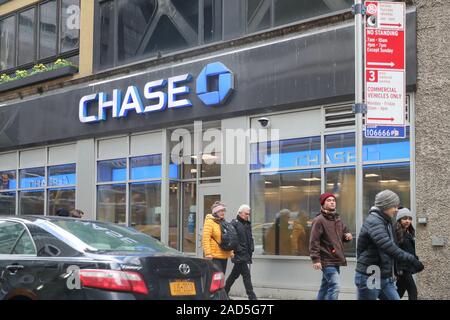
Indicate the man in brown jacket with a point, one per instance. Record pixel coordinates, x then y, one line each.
326 246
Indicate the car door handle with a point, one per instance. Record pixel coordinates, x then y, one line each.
14 268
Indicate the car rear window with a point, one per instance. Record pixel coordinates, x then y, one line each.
110 237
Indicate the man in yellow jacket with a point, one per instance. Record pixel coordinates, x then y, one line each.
212 236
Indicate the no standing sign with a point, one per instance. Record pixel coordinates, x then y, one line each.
385 63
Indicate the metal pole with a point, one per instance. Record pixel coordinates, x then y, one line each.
359 69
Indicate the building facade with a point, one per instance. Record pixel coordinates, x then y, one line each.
168 106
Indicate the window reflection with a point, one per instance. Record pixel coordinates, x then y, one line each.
145 207
7 42
111 202
341 183
47 29
395 177
283 206
26 37
31 202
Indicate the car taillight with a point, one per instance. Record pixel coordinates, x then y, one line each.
113 280
217 282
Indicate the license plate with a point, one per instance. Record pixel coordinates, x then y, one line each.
182 288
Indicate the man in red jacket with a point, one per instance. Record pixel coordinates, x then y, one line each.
326 246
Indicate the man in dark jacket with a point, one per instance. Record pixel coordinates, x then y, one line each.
326 246
377 251
243 254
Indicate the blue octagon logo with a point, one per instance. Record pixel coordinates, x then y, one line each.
225 84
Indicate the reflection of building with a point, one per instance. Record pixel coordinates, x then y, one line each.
299 76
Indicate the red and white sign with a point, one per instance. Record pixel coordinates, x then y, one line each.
385 63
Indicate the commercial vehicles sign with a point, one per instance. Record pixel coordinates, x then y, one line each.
385 63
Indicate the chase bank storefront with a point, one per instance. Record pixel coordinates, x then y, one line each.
269 124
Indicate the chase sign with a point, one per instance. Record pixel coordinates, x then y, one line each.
214 85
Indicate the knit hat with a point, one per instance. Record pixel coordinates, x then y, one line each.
325 196
386 199
405 212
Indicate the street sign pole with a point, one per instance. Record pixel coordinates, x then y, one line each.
359 108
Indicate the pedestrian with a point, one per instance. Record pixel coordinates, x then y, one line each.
326 246
242 258
405 239
212 235
76 213
377 252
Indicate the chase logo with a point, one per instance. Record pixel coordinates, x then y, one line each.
214 73
214 84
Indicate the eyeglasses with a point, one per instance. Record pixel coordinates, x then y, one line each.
407 218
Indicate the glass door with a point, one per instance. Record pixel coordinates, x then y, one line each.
207 195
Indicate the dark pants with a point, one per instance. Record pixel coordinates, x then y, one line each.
221 264
405 282
241 269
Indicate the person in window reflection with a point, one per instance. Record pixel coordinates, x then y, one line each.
76 213
326 246
62 212
212 235
278 237
299 241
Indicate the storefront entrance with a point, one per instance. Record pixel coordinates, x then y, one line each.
207 195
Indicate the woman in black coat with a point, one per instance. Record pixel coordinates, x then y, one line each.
405 238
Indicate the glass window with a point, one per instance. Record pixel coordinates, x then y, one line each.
145 208
47 29
341 183
286 154
26 36
189 216
174 205
376 149
131 31
213 21
106 34
258 15
112 170
283 206
63 175
340 148
287 11
7 203
31 202
63 198
32 178
395 177
7 42
111 203
70 25
146 167
211 164
8 181
15 239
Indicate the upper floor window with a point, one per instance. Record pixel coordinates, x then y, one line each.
130 30
40 34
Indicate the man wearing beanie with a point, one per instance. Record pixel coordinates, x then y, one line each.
326 246
377 249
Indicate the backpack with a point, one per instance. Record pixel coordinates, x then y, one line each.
230 240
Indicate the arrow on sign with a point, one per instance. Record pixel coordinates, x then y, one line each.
391 24
384 119
389 64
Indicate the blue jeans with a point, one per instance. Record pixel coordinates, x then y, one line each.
329 289
387 291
